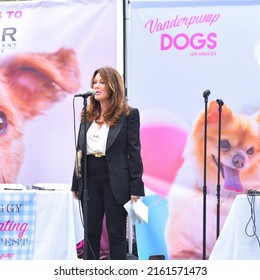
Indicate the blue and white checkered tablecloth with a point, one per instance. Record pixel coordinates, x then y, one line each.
17 224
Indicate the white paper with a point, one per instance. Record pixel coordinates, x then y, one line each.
137 211
141 210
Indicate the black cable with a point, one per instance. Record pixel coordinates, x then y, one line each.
76 162
251 200
74 124
78 170
206 94
220 103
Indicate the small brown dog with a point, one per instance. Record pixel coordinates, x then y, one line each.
240 163
30 83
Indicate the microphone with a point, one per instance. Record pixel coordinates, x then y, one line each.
206 93
90 92
32 187
220 102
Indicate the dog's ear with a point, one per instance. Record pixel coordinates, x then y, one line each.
213 112
35 81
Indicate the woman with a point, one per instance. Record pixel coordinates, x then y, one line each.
114 166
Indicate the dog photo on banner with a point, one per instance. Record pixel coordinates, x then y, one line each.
48 51
186 48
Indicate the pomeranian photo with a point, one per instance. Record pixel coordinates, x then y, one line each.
30 83
239 172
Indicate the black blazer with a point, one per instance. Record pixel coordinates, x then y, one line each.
123 157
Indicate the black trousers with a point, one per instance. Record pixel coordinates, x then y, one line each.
101 201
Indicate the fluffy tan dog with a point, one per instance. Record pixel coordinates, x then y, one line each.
240 163
30 83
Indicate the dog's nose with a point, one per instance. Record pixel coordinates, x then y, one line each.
238 161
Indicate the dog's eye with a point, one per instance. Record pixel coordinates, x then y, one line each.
251 150
3 123
225 145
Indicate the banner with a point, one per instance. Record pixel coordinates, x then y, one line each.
178 51
48 52
17 219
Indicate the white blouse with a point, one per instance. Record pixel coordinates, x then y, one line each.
97 138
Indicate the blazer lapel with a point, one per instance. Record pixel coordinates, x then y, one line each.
113 132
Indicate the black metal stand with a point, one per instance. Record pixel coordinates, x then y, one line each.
206 93
85 190
220 103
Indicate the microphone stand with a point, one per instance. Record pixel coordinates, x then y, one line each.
85 190
206 93
220 103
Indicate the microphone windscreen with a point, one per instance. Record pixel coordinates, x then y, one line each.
28 186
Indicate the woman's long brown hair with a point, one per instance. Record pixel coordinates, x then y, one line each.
117 103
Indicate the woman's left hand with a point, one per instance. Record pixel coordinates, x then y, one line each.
134 198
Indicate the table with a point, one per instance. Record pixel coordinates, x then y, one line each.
233 242
58 226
